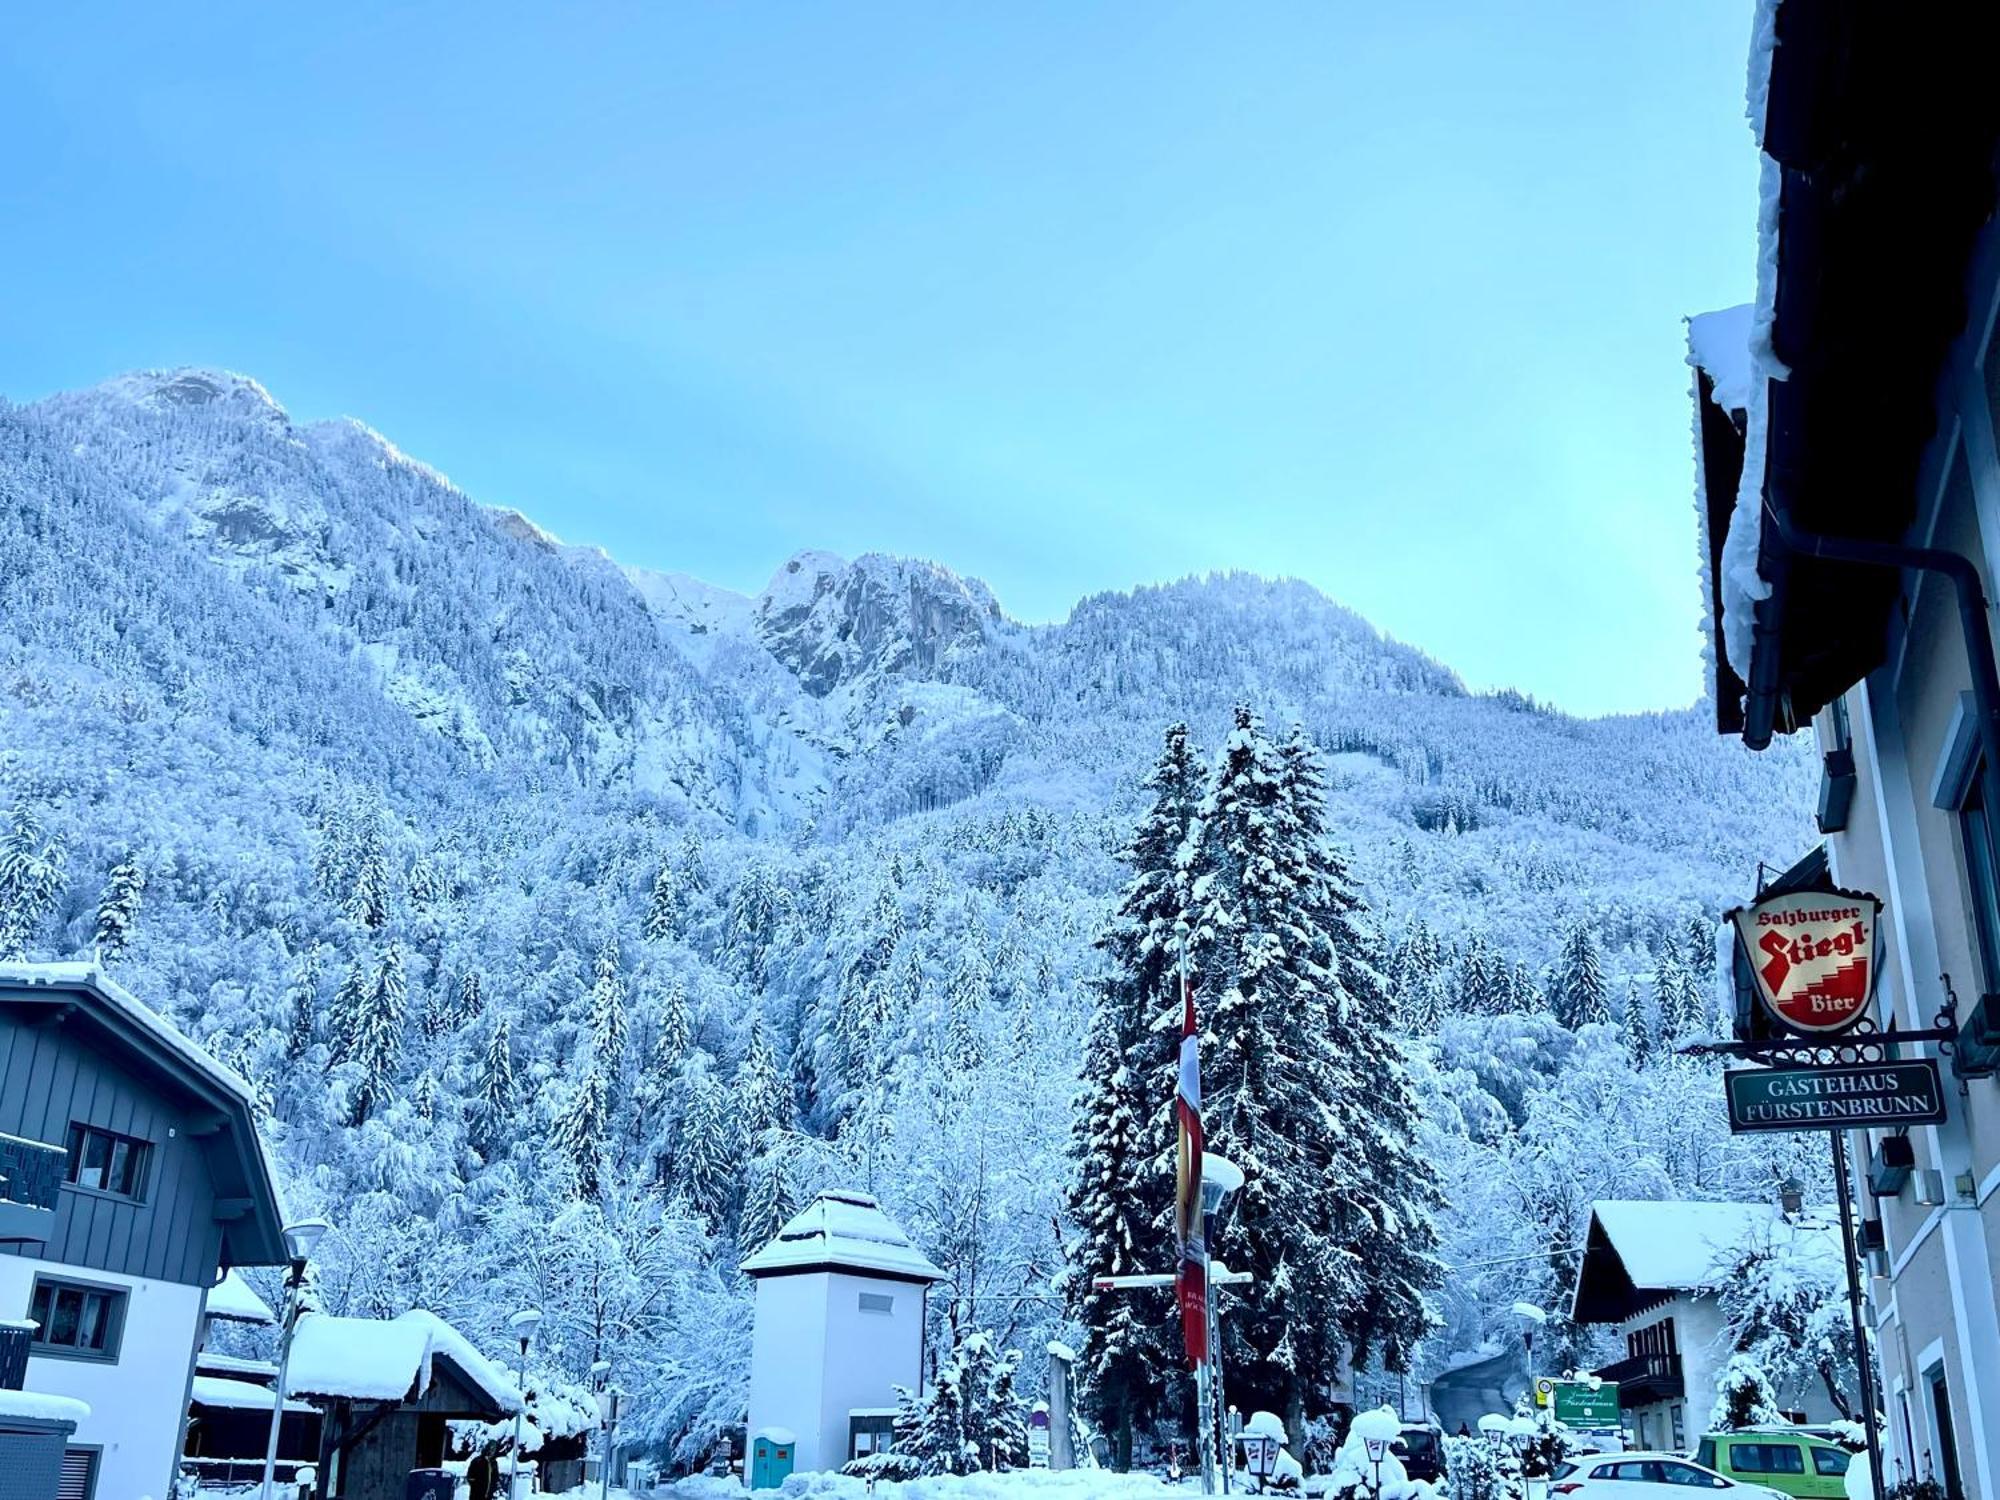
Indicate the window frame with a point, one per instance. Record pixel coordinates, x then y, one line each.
1957 788
118 1300
139 1152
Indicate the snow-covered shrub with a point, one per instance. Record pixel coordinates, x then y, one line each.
1743 1397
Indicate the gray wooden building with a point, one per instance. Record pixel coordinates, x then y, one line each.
148 1182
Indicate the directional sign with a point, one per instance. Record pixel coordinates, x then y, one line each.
1843 1098
1579 1404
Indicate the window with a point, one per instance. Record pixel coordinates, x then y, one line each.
1947 1439
1975 833
1680 1427
78 1477
1831 1460
75 1320
1647 1472
877 1302
1689 1475
1705 1454
1767 1458
107 1162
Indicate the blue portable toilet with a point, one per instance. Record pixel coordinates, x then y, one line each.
772 1451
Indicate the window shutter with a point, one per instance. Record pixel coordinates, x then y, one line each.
78 1480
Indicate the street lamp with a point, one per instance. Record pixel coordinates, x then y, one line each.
301 1239
1532 1317
524 1323
1221 1180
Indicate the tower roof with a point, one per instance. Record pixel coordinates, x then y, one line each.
843 1231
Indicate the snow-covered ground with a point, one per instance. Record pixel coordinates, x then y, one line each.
1017 1484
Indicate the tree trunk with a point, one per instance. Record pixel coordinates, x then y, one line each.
1121 1454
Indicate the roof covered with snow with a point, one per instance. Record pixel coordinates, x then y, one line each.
1638 1251
843 1231
236 1155
218 1390
234 1299
394 1359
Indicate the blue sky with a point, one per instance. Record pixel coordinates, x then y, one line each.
1071 297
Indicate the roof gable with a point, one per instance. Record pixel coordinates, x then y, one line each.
1638 1251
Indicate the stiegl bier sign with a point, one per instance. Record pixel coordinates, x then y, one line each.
1813 955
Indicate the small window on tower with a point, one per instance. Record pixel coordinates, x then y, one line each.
877 1302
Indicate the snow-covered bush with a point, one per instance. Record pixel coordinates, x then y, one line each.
1743 1397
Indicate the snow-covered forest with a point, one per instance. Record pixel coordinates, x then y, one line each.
577 922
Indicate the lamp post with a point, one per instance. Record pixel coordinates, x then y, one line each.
1221 1178
524 1323
600 1380
300 1241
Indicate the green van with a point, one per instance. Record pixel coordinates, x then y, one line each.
1793 1463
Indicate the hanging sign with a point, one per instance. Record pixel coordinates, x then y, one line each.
1813 955
1884 1094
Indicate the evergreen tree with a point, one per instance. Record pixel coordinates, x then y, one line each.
1744 1398
376 1042
470 1003
118 909
437 1014
1640 1028
1698 947
31 877
705 1159
1120 1199
302 1007
368 897
580 1128
1482 987
1385 1194
1419 969
663 907
755 908
763 1095
350 1000
1683 1016
607 1011
1579 994
770 1192
673 1029
495 1109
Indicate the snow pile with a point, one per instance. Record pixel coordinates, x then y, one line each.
1013 1484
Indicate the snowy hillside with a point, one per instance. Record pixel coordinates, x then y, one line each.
432 808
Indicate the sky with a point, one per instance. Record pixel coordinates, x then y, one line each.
1068 297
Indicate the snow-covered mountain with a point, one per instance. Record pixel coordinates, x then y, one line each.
265 659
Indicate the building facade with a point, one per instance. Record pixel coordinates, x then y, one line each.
1652 1270
163 1187
1849 499
839 1327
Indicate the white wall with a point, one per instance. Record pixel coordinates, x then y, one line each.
136 1404
815 1356
787 1360
868 1354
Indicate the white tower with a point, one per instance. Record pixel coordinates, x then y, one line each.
839 1325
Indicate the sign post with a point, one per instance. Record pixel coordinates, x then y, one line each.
1814 957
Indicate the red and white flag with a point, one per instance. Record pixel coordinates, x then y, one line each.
1191 1276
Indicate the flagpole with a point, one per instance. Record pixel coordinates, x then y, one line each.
1195 1299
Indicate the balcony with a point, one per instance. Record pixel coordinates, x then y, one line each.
31 1174
1645 1378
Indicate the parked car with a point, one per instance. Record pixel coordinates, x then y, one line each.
1421 1448
1646 1476
1793 1462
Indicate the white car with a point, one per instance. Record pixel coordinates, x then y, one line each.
1645 1476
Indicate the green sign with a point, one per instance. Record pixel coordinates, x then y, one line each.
1843 1098
1578 1404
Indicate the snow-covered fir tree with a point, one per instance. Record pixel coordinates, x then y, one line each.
302 1006
763 1094
494 1108
708 1144
1578 993
1744 1398
469 999
607 1011
1120 1196
31 877
375 1042
663 906
118 910
581 1126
